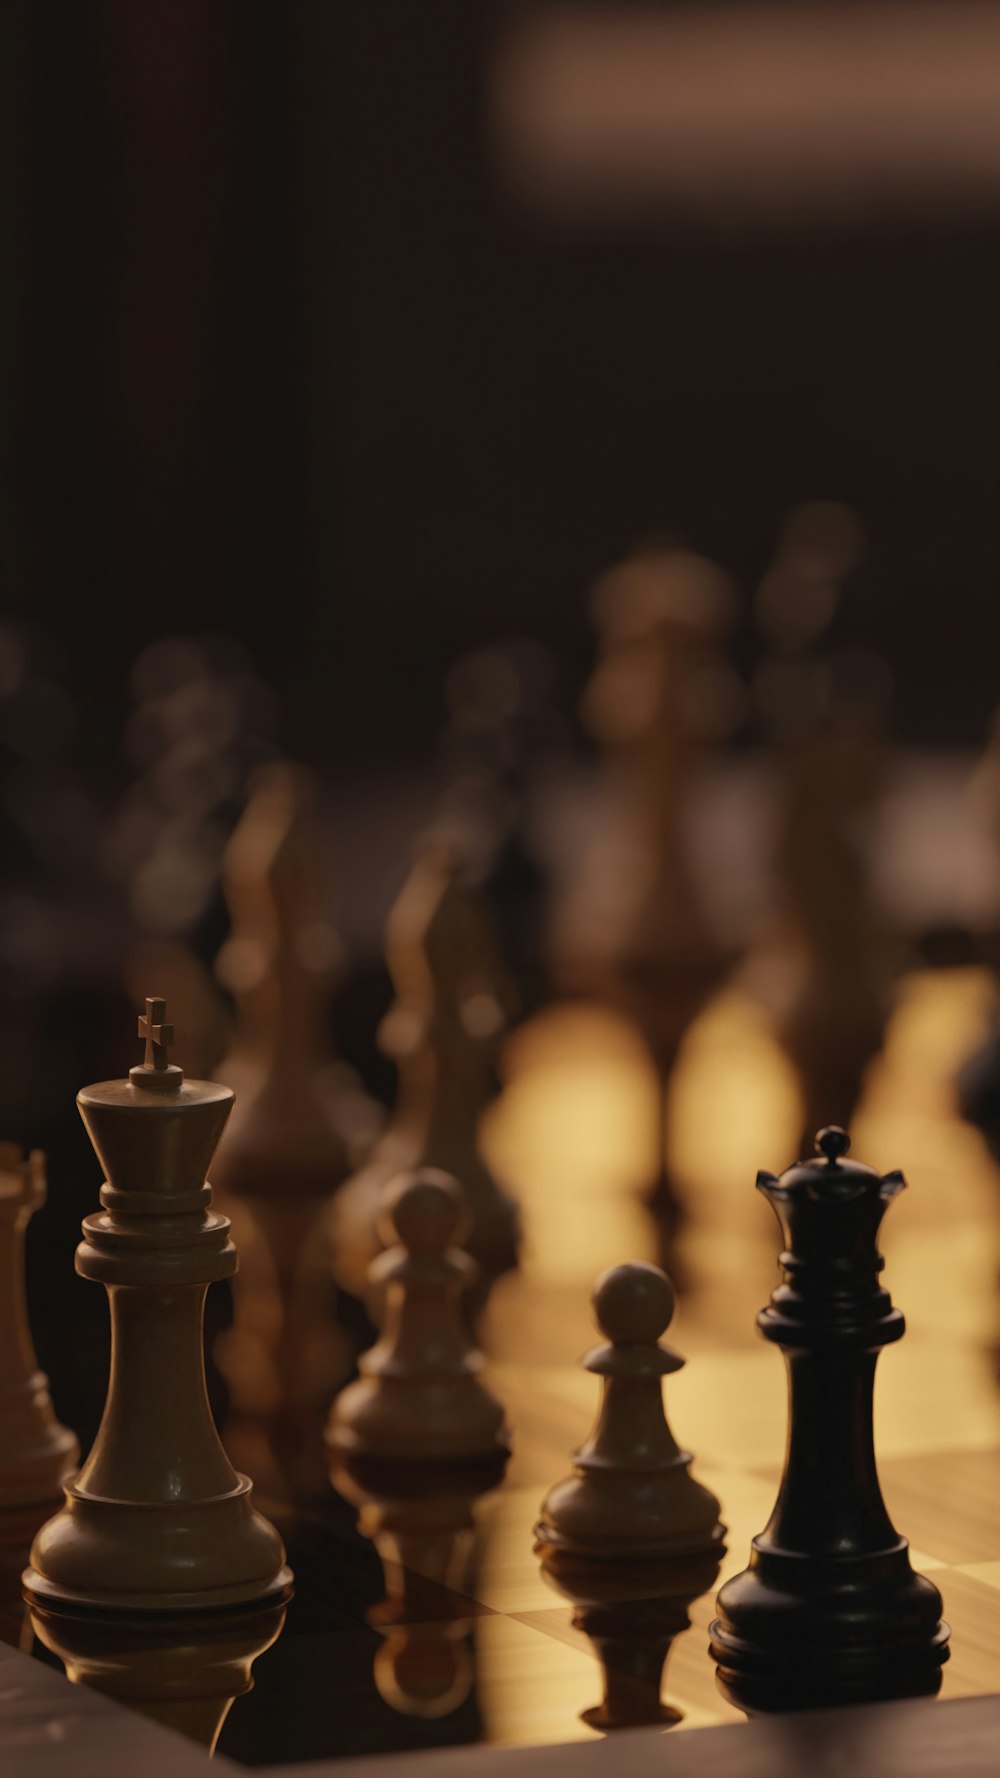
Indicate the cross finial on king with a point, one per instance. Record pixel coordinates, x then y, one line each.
156 1073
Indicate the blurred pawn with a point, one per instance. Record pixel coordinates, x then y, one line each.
295 1133
420 1395
641 935
444 1033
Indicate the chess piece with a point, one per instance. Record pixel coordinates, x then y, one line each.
833 1022
978 1081
422 1521
633 1614
293 1138
184 1672
18 1525
501 741
631 1493
156 1519
829 1609
444 1032
36 1453
419 1394
823 710
642 937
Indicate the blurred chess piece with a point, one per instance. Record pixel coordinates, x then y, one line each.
36 1453
978 1082
201 720
298 1126
824 711
633 1614
419 1394
422 1521
502 739
18 1526
631 1495
156 1519
444 1032
183 1672
641 935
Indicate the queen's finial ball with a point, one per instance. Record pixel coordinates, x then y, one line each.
833 1142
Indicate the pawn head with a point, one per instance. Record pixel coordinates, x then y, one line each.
633 1303
425 1211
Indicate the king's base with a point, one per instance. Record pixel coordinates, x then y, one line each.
38 1590
162 1556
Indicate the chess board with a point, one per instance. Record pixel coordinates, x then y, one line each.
486 1658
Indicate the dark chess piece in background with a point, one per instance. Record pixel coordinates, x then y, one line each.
444 1031
299 1124
632 1495
642 937
829 1610
156 1520
633 1613
419 1394
422 1521
183 1672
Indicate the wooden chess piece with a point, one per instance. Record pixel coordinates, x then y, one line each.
420 1394
182 1671
444 1032
823 710
978 1082
660 695
18 1525
829 1610
633 1613
294 1136
631 1493
36 1453
156 1519
833 1023
502 738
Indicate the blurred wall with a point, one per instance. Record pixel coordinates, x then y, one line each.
284 353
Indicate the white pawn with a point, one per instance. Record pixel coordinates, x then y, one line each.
631 1494
419 1393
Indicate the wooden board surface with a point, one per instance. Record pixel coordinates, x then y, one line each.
489 1662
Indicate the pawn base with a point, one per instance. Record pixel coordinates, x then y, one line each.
629 1515
631 1549
405 1418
